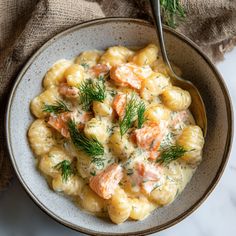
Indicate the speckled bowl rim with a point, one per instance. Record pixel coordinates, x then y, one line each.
226 150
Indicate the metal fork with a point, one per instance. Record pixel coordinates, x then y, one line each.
197 106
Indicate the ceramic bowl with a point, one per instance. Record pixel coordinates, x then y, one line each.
100 34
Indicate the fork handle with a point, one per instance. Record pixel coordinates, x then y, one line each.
156 12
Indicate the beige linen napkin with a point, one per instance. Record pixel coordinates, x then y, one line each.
26 24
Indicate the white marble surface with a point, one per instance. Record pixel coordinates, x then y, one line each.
19 216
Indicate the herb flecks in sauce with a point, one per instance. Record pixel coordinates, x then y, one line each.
58 107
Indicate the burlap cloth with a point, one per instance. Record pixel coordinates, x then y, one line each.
26 24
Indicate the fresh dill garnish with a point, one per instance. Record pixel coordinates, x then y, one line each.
98 161
101 78
140 111
93 173
104 77
130 114
157 185
172 153
129 172
58 107
85 65
91 90
133 109
112 93
91 146
172 11
65 168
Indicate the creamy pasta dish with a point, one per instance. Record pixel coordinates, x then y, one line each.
112 132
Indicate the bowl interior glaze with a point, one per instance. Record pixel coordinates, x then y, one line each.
100 34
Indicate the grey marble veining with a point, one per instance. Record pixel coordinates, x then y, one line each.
19 216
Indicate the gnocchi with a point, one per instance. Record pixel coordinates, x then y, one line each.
176 98
145 56
192 140
49 96
74 75
40 137
141 208
91 201
88 58
119 208
72 186
55 74
116 55
154 85
114 134
48 161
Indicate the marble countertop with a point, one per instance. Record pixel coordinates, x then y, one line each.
19 216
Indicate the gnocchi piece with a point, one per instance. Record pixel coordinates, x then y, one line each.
157 113
48 97
145 56
116 55
119 207
55 74
48 161
165 194
40 137
89 58
74 75
176 98
120 146
160 67
71 187
192 140
104 108
141 208
91 202
83 164
96 129
154 86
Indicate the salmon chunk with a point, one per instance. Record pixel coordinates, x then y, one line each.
149 137
151 175
146 136
128 75
100 69
68 91
59 123
119 104
105 183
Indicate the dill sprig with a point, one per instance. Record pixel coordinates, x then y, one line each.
98 161
85 65
58 107
130 113
172 10
140 111
91 146
172 153
91 90
65 168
